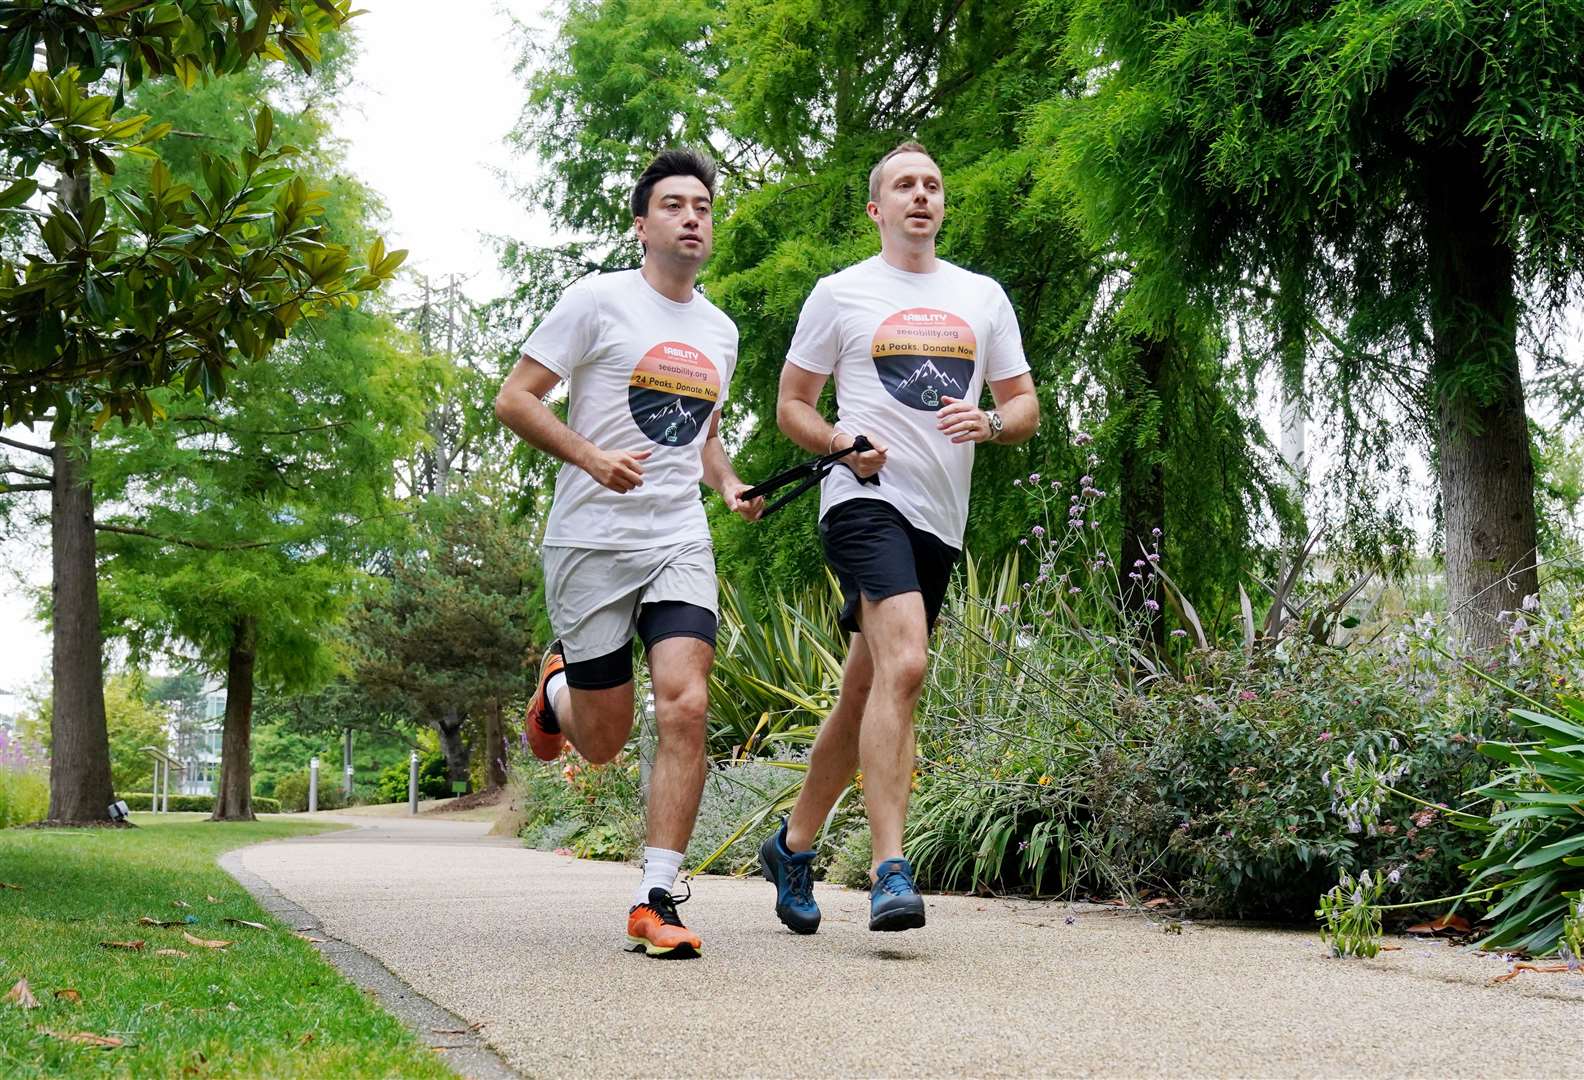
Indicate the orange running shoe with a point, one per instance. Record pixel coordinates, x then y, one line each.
655 929
544 734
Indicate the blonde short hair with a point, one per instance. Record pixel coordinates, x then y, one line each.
908 147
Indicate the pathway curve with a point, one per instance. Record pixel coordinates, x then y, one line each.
527 944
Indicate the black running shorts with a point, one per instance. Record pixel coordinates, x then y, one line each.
878 553
656 622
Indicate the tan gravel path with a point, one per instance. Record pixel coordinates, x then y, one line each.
528 943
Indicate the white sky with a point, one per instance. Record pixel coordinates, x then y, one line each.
428 134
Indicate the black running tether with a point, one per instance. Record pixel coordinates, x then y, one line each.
810 473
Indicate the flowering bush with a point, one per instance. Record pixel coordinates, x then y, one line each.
595 811
24 782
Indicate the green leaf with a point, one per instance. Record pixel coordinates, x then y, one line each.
17 194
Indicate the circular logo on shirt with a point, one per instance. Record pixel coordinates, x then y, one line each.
673 390
923 355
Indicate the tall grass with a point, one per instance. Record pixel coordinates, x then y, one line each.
24 782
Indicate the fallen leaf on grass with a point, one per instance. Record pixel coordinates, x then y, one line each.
106 1041
1513 974
161 923
22 995
73 996
311 940
8 885
306 1039
244 922
203 943
133 945
171 952
214 899
1449 923
180 903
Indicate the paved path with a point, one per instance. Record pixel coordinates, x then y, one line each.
527 943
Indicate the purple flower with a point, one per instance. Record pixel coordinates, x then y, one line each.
1033 477
1151 605
1155 533
1094 524
1247 695
1055 485
1326 736
1394 877
1003 609
1074 591
1075 522
1023 540
1018 482
1138 563
1038 530
1179 633
1086 481
1022 845
1153 557
1070 920
1083 438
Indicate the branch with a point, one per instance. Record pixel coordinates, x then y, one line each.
26 446
201 545
8 468
7 489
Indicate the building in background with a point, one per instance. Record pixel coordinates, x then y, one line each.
197 727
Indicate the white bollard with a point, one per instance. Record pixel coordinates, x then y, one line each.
412 784
313 785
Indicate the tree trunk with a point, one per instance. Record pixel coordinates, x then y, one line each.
234 801
1143 498
453 744
80 788
494 746
1483 456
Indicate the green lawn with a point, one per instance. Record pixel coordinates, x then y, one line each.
267 1005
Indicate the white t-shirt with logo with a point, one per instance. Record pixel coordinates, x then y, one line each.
644 373
899 343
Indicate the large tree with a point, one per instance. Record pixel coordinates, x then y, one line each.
1393 185
108 298
449 638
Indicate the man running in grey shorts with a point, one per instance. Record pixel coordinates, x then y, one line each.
627 546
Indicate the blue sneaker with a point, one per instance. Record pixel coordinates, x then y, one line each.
791 872
894 901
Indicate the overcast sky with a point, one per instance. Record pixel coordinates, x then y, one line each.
426 132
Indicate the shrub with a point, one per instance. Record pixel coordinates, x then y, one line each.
291 791
433 780
595 810
143 800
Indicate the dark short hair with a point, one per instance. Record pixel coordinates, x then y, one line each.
908 147
675 162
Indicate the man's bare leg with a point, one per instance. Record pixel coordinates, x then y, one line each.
679 667
898 639
596 722
835 756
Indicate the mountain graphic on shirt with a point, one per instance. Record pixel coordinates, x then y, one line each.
672 413
926 375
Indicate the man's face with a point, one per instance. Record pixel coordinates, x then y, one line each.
679 224
912 199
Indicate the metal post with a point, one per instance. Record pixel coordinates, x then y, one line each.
167 786
313 785
346 764
412 784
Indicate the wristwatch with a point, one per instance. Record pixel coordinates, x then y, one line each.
996 424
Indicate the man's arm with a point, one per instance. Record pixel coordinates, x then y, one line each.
1015 400
798 417
719 474
520 406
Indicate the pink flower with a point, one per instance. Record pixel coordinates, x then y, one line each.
1038 530
1326 736
1247 695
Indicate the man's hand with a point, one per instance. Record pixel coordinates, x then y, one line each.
963 422
619 470
749 509
865 464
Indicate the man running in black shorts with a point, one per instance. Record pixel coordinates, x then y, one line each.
911 340
627 546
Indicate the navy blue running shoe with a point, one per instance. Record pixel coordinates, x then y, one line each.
791 872
894 901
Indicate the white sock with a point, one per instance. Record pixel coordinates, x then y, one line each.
660 869
553 690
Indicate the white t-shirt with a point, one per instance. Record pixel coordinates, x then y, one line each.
899 342
645 373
